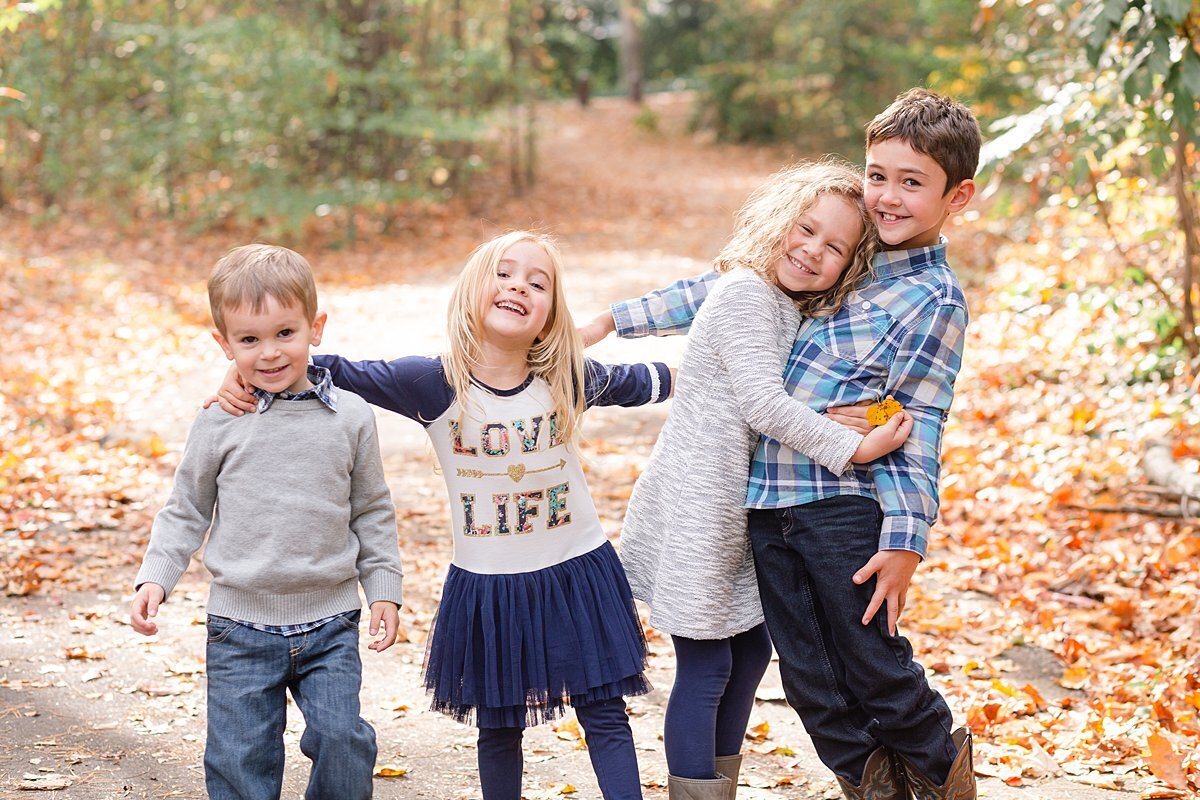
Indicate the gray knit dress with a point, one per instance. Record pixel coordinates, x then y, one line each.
684 543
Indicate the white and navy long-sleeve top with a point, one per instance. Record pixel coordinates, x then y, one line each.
518 498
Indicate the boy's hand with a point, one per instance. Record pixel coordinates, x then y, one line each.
234 396
884 439
145 605
386 615
853 417
597 329
893 570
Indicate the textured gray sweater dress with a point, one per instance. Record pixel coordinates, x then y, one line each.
684 543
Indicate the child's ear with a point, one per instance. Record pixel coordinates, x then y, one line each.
961 195
318 327
224 344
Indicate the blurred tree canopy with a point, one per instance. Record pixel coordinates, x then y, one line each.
271 114
239 110
1111 96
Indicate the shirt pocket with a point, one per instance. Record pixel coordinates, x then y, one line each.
854 332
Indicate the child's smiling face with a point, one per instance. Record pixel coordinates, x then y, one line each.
820 245
520 296
907 196
270 347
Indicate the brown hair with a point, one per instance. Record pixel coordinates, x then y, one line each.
933 125
248 275
766 218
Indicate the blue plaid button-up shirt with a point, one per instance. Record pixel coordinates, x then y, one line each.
902 335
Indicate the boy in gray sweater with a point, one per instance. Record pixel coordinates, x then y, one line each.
298 514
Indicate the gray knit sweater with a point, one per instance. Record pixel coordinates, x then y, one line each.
684 543
299 510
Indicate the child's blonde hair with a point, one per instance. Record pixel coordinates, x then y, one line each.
766 218
556 356
249 274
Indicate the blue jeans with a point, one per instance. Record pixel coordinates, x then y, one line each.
855 687
248 673
610 747
712 699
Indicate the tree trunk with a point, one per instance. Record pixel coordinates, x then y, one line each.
1190 275
171 165
631 49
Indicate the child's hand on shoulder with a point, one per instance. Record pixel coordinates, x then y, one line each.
385 617
234 396
145 605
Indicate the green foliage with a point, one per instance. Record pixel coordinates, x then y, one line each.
815 73
646 120
1153 46
1111 130
250 113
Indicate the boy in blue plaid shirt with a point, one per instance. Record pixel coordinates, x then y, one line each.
833 550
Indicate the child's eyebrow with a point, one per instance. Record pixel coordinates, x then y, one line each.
902 170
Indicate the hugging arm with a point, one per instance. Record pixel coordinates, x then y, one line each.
742 330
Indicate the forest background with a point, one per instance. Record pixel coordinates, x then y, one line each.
386 138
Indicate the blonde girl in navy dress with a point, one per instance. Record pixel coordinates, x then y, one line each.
536 612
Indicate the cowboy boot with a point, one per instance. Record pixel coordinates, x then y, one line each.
960 783
882 779
695 789
730 767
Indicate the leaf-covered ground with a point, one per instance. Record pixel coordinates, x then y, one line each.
1066 636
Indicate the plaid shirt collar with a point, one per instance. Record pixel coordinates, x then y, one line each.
897 263
322 389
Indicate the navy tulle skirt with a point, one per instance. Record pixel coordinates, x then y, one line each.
514 650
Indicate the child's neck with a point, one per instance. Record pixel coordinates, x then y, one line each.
500 367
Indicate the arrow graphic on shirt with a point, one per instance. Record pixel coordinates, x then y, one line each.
514 471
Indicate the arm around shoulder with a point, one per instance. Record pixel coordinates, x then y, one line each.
743 328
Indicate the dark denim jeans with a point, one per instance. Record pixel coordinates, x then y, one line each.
855 686
248 673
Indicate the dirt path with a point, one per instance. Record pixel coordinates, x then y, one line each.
127 720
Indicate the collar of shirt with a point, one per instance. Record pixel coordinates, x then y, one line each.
322 389
894 263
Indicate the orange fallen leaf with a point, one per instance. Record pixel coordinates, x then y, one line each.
759 732
1165 763
568 730
81 653
391 772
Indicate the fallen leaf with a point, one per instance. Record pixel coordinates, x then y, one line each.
1165 763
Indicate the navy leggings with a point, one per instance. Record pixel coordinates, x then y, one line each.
712 699
609 742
